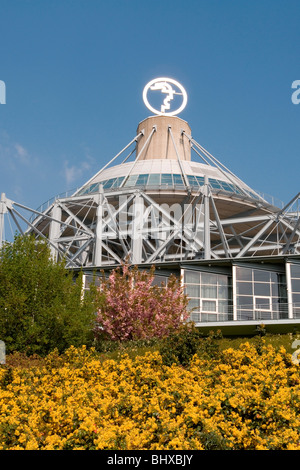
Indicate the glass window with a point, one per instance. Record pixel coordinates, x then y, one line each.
200 180
195 317
118 181
154 179
274 277
244 300
192 277
296 298
245 315
209 305
208 291
275 290
167 179
208 278
215 184
194 304
261 276
131 180
223 281
226 186
192 180
296 285
223 306
193 290
222 292
178 180
262 303
142 180
244 288
262 288
295 271
108 183
92 188
243 274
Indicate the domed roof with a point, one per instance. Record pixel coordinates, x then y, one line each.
166 174
163 161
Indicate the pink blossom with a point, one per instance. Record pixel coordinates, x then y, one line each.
135 309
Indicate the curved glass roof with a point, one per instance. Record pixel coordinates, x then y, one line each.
164 181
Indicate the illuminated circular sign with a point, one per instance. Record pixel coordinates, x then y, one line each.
169 90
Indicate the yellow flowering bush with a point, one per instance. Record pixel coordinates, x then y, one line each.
244 399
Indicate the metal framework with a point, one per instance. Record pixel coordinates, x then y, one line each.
109 226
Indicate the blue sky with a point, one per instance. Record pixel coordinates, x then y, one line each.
75 71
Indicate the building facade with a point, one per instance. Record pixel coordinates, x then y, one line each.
164 200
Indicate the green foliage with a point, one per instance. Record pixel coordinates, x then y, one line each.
41 305
180 347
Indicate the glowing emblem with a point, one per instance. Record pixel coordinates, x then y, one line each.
170 88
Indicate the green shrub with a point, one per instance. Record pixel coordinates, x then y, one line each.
181 346
41 304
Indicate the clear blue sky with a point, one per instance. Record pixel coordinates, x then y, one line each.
75 71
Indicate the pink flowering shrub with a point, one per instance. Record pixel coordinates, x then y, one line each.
132 308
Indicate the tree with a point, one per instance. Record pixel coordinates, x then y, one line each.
41 305
133 308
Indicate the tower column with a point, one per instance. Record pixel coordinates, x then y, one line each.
136 233
54 230
206 220
99 228
3 210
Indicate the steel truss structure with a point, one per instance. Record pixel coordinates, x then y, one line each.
111 225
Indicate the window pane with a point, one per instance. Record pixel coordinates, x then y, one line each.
131 180
154 179
275 290
296 298
263 276
222 292
200 180
209 305
192 277
94 187
296 285
226 186
177 179
194 304
223 306
207 278
212 317
109 183
195 317
260 288
222 280
215 183
262 303
142 180
295 270
244 288
192 290
244 274
209 292
192 180
244 300
167 179
245 315
274 277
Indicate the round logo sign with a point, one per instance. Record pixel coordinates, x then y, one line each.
165 96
